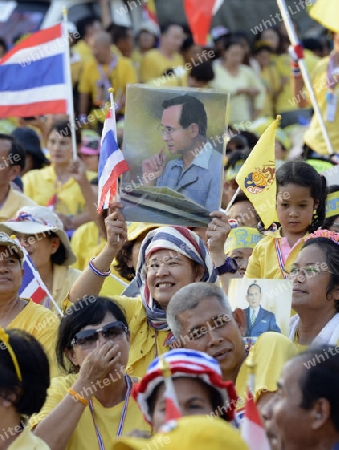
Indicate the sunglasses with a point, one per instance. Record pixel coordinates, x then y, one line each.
110 331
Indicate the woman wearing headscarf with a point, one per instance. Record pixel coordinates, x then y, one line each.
169 258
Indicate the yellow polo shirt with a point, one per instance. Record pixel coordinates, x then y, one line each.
43 324
41 185
123 74
154 64
270 353
15 200
89 233
84 50
63 279
107 419
313 136
28 441
263 263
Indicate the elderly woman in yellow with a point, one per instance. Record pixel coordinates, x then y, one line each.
63 186
240 244
41 232
16 312
92 406
169 258
315 296
24 380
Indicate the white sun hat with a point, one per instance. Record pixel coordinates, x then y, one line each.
32 220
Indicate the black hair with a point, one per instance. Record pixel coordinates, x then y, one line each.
31 392
89 310
330 221
193 111
232 41
313 44
85 22
59 257
217 402
121 261
3 44
203 72
331 250
166 26
119 32
188 43
320 379
63 128
16 154
253 285
302 174
280 49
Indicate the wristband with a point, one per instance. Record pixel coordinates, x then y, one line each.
96 271
78 397
230 266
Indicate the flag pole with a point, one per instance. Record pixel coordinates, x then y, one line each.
69 84
302 65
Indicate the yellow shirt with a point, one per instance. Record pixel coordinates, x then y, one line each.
107 419
63 279
123 74
84 50
15 200
313 136
43 325
241 105
146 343
154 64
271 80
41 185
89 233
283 64
270 353
263 262
28 441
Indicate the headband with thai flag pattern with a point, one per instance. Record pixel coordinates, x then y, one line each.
188 364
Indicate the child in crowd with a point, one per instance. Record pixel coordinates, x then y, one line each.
301 208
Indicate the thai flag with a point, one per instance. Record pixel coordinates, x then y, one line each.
34 76
112 163
32 285
171 402
252 430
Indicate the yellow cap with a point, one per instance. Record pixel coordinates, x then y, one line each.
135 229
242 237
198 432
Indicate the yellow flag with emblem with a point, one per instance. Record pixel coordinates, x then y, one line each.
257 178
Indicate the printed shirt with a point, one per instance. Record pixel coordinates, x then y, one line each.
199 181
107 419
41 185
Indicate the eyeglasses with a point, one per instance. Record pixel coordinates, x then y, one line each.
308 271
110 331
167 130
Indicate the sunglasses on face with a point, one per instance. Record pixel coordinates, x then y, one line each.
110 331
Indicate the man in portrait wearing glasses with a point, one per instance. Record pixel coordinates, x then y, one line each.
197 173
258 319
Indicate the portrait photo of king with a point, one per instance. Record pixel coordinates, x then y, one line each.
258 319
196 170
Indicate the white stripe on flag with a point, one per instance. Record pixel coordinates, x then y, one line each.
38 52
40 94
113 160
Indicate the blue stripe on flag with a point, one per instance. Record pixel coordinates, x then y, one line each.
45 72
109 145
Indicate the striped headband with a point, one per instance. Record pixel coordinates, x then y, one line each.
188 364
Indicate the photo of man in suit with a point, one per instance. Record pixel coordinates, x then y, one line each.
258 319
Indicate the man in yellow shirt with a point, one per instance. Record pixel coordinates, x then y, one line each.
200 318
87 28
12 161
105 71
157 62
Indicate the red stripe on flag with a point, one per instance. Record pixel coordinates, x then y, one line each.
34 109
38 295
118 170
251 410
38 38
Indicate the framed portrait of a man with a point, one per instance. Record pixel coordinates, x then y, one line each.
174 146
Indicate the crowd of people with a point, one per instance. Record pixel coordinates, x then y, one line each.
137 310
